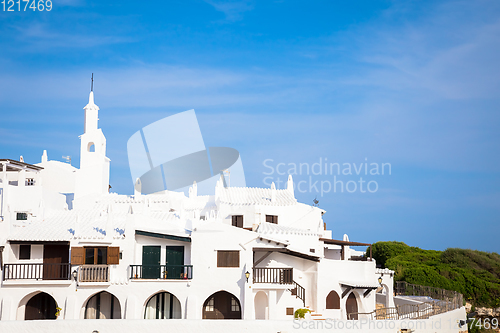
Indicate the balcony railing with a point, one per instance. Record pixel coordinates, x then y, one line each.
163 272
273 275
93 273
38 271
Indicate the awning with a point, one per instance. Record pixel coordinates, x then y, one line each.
13 165
358 285
285 250
162 235
341 242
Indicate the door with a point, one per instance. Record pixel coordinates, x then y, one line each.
55 262
175 262
39 307
351 307
222 305
151 262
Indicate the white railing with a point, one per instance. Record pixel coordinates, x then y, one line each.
93 273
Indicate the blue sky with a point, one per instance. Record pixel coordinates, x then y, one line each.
412 83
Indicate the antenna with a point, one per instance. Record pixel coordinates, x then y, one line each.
68 159
92 82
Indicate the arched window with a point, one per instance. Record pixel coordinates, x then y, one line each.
91 147
39 307
103 305
163 305
333 300
222 305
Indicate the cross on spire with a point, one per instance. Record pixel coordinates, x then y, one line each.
92 82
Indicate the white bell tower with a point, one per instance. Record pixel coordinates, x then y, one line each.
92 178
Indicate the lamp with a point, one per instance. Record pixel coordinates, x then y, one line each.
75 274
380 280
247 275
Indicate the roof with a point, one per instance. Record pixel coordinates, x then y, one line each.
256 196
13 165
272 228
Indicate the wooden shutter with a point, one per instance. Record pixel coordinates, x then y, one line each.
333 300
77 256
228 258
113 255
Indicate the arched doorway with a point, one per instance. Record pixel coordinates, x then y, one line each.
351 306
261 305
222 305
39 307
163 305
333 300
103 305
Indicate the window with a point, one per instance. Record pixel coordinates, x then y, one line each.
22 216
234 305
30 182
312 250
228 258
96 255
24 252
289 311
272 219
238 221
210 305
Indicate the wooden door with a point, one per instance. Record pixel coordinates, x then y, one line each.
39 307
54 258
351 307
151 262
175 262
222 305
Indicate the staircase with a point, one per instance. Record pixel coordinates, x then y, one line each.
315 316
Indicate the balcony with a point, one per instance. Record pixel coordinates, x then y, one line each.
162 272
273 275
38 271
93 273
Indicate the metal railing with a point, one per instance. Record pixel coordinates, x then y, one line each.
273 275
36 271
440 301
299 291
407 289
93 273
163 272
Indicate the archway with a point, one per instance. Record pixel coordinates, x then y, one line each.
351 307
222 305
40 307
163 305
103 305
91 147
333 300
261 305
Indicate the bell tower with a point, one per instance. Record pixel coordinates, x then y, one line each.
93 176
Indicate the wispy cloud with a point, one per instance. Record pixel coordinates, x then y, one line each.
39 37
233 9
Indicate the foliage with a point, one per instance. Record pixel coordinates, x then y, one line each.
475 274
301 313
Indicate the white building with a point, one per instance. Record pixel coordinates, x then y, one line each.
71 250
